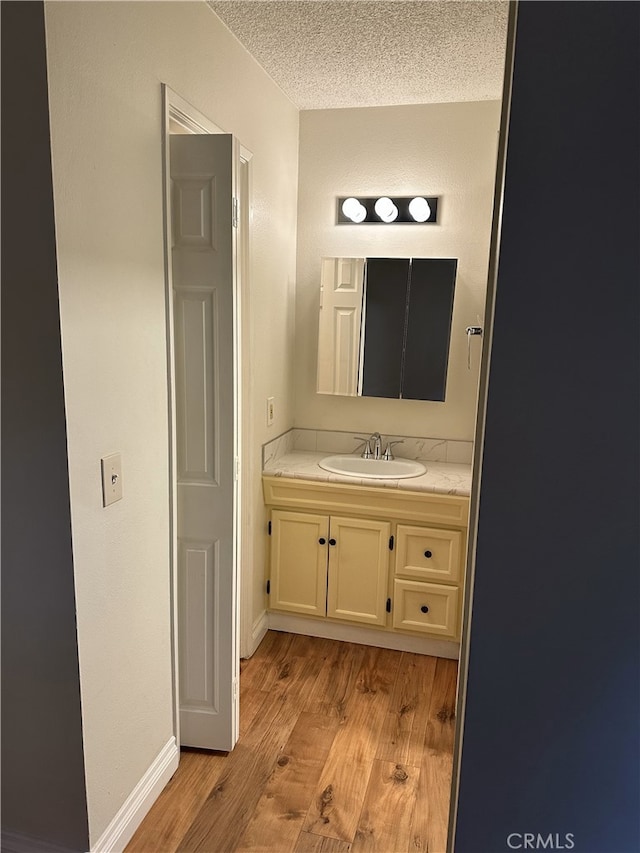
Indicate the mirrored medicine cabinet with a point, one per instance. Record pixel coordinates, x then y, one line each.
385 327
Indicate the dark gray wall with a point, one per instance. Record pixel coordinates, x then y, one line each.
551 740
43 787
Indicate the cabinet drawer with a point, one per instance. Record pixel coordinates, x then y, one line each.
427 607
426 553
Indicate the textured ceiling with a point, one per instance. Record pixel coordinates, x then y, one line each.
374 52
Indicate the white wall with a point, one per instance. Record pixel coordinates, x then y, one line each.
448 150
106 63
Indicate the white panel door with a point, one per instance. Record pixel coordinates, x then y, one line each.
202 190
339 329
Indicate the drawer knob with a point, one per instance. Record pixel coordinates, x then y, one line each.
428 554
332 541
424 608
322 540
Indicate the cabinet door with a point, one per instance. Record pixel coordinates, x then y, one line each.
384 320
299 562
428 333
358 570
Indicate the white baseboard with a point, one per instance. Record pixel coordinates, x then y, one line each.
259 629
121 829
365 636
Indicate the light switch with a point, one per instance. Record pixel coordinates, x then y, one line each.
111 478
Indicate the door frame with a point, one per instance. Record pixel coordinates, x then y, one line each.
481 414
175 108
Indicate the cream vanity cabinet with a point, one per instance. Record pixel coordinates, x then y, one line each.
330 566
383 557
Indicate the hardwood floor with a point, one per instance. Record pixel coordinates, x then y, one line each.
343 749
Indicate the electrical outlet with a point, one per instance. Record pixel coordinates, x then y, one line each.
271 410
111 478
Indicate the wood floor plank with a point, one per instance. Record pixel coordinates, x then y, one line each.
275 670
442 711
262 667
282 808
227 810
402 738
299 654
175 809
251 703
253 673
340 793
337 679
387 814
310 843
431 815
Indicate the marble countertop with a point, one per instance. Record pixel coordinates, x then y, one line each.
446 478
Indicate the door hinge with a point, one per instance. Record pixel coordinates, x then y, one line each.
388 605
237 468
268 587
235 689
234 213
391 543
269 528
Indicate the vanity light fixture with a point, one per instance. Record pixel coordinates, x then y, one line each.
385 210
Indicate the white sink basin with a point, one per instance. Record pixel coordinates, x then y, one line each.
377 469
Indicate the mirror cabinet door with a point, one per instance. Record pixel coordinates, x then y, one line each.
385 311
429 316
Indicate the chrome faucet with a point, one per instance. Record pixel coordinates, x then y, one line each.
376 438
372 447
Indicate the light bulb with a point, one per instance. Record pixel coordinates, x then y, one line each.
386 209
354 210
419 209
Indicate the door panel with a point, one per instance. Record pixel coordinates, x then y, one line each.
194 317
197 582
358 570
202 268
339 330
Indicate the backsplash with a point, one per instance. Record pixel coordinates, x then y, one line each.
331 441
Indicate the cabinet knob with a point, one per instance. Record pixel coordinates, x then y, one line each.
332 541
322 540
424 608
428 554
